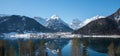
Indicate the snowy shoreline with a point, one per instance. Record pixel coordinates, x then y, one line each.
56 35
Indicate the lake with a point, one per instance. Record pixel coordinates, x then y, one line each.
60 47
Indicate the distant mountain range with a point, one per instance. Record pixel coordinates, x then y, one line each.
20 24
54 23
98 25
76 23
109 25
24 24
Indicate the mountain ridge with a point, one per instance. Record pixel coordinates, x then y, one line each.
102 26
17 23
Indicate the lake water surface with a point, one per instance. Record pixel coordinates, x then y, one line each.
60 47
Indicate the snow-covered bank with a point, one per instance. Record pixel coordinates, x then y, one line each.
35 35
55 35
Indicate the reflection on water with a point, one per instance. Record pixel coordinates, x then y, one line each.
118 50
76 47
60 47
79 47
113 50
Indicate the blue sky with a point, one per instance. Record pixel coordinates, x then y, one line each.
66 9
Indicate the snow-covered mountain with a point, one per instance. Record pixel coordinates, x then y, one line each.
57 24
17 23
89 20
109 25
40 20
75 24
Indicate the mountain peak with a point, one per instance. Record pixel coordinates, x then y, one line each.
54 17
57 24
